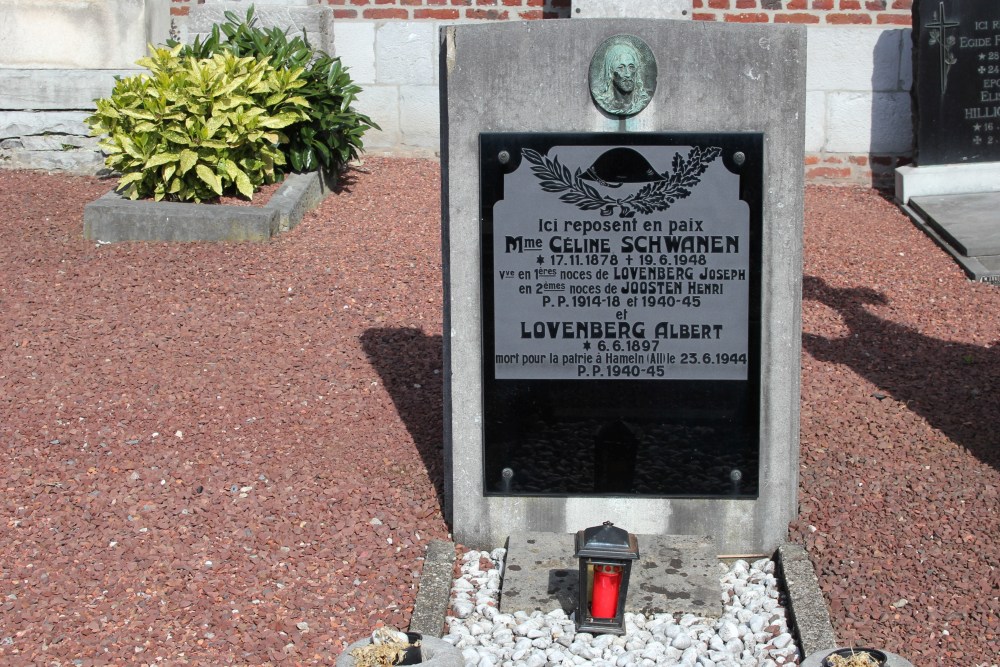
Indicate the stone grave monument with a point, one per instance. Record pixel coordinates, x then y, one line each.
953 190
622 223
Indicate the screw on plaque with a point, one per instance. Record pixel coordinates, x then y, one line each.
736 477
739 158
506 476
504 157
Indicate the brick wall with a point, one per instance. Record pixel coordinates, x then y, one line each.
843 169
450 10
433 10
818 12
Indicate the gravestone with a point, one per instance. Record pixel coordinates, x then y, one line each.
956 83
622 254
953 190
634 9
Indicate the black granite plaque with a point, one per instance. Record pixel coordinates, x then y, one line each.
956 87
621 292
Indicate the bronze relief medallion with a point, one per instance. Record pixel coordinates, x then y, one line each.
622 75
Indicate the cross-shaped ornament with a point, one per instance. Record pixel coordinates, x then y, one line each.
939 35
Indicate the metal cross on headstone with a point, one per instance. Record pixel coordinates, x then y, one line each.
939 35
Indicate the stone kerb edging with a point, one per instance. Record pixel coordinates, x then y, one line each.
434 590
112 218
809 616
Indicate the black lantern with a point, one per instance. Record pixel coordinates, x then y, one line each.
606 554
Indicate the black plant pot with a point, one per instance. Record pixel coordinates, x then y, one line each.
413 655
876 655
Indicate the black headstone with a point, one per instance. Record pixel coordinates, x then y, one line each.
956 81
621 293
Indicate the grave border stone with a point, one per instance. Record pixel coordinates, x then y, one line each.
712 78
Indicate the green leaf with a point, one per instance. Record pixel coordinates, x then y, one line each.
309 161
133 177
281 120
243 185
229 168
188 160
209 178
324 152
213 125
160 159
138 114
297 157
129 147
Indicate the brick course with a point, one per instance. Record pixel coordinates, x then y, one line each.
842 169
815 12
453 10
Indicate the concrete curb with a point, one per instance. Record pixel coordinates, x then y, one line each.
434 589
112 218
807 608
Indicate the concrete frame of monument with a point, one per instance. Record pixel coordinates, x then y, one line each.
484 90
622 75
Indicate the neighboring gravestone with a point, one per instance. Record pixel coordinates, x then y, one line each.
622 251
634 9
956 83
953 191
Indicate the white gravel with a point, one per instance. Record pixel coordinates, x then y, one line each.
752 631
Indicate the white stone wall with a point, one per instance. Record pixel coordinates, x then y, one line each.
858 80
75 34
395 63
56 57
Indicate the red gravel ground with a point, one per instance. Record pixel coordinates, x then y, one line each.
231 454
900 475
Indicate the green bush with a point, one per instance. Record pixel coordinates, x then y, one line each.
194 128
332 133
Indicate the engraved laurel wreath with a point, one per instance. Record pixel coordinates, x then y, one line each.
657 195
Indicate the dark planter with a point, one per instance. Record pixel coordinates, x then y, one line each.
433 652
878 656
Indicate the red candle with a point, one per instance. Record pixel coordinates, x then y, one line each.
607 582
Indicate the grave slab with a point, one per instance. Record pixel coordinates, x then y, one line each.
971 223
675 574
962 231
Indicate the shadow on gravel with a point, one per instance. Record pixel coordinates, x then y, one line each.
951 385
406 359
348 178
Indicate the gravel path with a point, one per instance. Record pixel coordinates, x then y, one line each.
230 454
